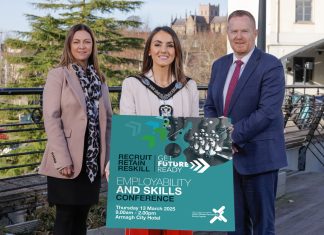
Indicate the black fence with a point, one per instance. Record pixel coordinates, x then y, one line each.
304 123
22 138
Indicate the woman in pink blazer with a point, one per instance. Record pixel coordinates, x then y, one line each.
161 89
77 117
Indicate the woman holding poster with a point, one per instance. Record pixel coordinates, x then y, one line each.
161 89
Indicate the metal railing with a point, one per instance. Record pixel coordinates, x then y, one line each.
22 136
304 124
22 143
23 109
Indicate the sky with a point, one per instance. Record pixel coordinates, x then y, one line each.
153 12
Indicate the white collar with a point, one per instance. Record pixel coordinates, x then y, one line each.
245 58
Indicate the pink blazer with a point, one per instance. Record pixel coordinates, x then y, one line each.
65 120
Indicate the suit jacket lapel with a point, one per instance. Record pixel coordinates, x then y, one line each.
220 86
245 76
75 85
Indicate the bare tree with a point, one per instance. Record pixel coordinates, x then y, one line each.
199 51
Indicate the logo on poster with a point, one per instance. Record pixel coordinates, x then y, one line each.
218 215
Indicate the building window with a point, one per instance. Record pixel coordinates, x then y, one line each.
303 10
303 69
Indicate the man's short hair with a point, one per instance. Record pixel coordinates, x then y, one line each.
240 13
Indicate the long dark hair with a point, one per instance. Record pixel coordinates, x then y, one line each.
177 64
67 57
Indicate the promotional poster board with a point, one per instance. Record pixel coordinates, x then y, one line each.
170 173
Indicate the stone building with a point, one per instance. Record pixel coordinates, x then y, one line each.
218 24
208 20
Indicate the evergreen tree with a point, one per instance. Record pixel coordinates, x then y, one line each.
37 51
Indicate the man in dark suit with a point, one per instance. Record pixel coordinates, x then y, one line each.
254 106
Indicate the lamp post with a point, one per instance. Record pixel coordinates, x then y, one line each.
262 19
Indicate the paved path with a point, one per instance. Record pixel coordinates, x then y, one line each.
301 209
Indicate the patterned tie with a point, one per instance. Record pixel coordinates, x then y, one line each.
232 86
